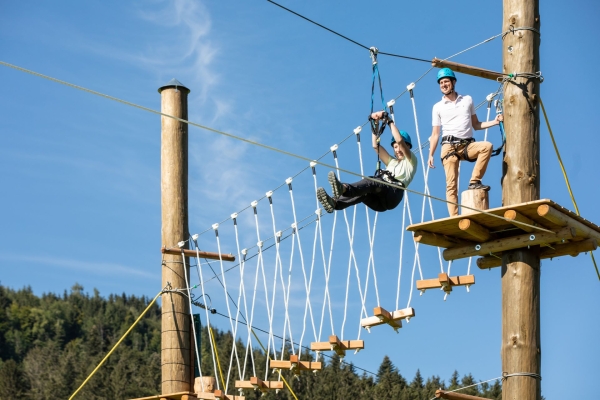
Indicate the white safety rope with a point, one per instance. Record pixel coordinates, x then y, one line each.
301 253
352 258
308 281
401 250
231 320
212 348
242 292
270 309
417 259
189 296
410 88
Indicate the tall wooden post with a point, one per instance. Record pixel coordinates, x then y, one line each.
176 360
521 350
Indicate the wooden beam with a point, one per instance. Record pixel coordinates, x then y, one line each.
475 230
397 315
558 250
202 254
509 243
442 394
437 240
515 216
452 280
467 69
556 217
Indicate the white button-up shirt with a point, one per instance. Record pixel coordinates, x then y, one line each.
454 116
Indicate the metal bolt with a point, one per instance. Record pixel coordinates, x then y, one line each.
510 49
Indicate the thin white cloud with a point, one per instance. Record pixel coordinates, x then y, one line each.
97 268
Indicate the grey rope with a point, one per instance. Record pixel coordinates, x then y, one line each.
512 29
530 374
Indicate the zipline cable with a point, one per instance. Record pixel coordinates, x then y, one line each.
345 37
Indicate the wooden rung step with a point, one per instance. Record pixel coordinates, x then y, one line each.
446 282
258 384
296 365
337 345
382 316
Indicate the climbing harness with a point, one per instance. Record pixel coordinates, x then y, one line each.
461 146
456 144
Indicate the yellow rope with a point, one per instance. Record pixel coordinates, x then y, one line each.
281 375
562 167
116 345
212 337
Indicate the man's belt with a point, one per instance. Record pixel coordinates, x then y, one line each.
452 139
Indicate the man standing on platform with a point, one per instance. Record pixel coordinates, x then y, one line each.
455 116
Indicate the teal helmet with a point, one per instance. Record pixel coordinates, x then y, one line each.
445 73
406 138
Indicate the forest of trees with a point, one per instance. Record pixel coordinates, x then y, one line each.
49 345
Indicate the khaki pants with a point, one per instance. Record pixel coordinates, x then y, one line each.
482 151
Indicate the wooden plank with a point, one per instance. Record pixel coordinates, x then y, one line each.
437 240
442 394
475 230
467 69
453 280
510 243
553 215
202 254
558 250
516 216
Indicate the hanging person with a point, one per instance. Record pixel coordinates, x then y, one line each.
376 193
455 116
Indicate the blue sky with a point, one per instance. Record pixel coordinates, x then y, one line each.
81 174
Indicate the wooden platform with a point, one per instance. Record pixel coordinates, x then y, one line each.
337 345
558 230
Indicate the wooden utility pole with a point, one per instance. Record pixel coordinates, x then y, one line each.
176 349
521 349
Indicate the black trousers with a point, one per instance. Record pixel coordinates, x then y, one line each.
375 194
